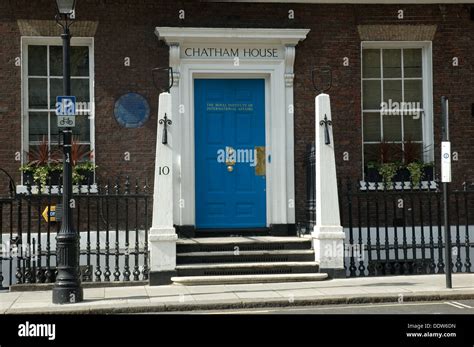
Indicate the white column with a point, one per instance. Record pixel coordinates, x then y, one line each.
290 53
162 237
328 234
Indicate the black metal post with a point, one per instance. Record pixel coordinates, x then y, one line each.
67 288
447 232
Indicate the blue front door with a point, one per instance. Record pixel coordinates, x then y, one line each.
230 140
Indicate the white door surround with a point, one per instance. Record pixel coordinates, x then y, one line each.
235 53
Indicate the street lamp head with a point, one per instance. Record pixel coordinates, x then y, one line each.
65 7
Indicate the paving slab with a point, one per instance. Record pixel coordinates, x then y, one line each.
215 297
134 299
156 291
176 298
258 295
207 289
292 293
94 293
35 297
7 296
126 292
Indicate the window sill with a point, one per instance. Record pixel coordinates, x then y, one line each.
425 185
84 189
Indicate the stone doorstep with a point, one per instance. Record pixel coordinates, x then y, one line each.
211 266
245 279
234 240
244 253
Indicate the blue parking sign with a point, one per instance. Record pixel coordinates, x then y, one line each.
66 106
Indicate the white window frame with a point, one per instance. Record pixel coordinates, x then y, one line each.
427 81
42 41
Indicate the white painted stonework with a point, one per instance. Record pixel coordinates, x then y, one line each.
267 54
328 235
162 236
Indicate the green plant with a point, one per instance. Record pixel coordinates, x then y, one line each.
416 172
388 171
79 169
27 168
372 165
41 174
56 167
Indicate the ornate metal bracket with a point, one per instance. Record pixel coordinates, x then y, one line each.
166 122
65 22
326 74
171 78
326 124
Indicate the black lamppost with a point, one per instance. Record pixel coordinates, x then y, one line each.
67 288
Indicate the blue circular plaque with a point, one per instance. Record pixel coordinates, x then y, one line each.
132 110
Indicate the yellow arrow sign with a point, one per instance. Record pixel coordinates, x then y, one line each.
52 213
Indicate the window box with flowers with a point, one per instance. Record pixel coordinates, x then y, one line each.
43 172
397 169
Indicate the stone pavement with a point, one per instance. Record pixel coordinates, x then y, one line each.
138 299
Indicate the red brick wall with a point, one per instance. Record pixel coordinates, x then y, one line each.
126 29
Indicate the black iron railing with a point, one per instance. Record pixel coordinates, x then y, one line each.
392 231
112 218
397 228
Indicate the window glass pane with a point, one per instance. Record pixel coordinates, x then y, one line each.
371 153
396 152
371 95
37 61
392 128
79 61
414 92
384 152
412 62
371 63
392 61
56 89
54 128
412 152
371 127
56 60
37 93
80 89
412 128
82 128
38 126
392 92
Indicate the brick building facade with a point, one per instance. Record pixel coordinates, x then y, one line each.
125 48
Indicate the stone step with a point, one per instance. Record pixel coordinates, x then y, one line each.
254 243
261 268
245 256
245 279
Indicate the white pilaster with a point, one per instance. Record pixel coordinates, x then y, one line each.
290 53
328 235
162 236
